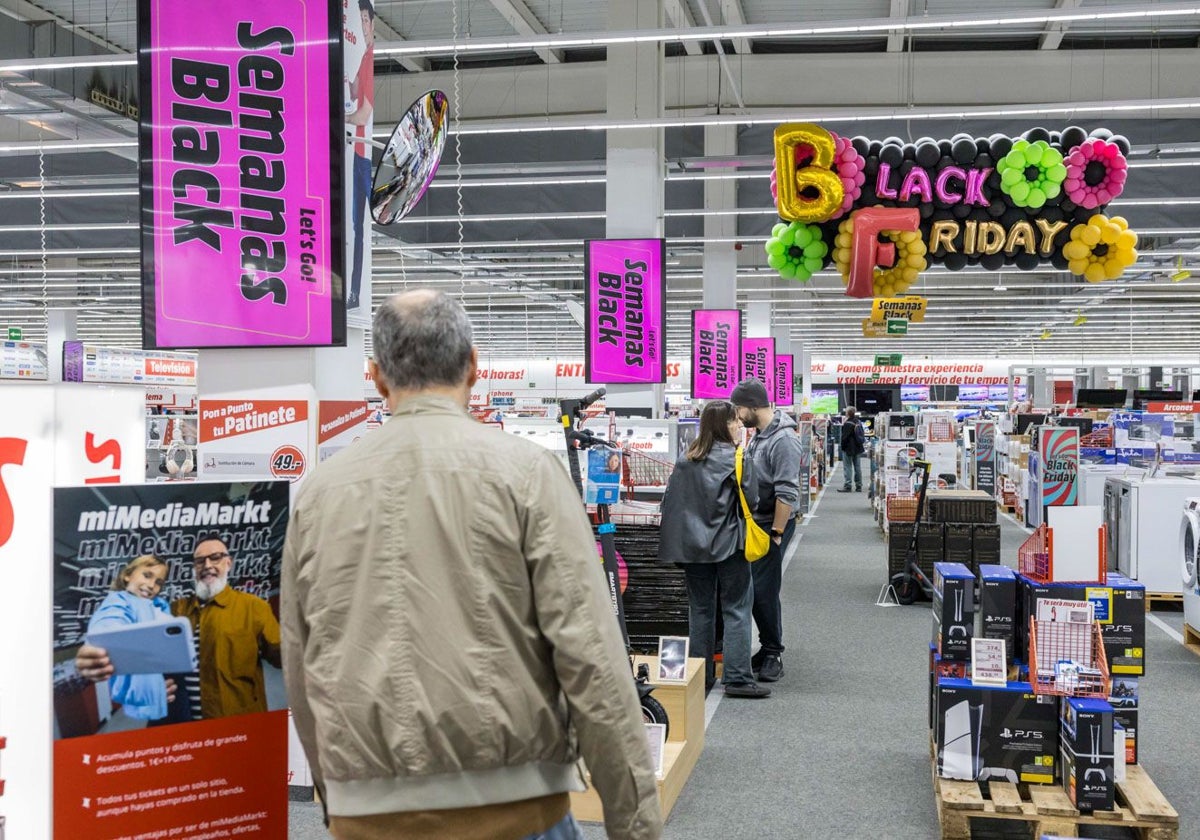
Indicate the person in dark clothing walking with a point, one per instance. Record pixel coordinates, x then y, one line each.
775 451
853 446
704 533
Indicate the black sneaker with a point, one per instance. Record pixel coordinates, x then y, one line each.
772 668
857 489
843 489
756 660
751 690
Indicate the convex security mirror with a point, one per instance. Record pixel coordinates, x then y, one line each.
410 158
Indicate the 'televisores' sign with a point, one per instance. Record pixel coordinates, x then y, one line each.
625 310
241 147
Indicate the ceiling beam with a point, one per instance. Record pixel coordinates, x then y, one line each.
386 32
1054 32
524 22
26 12
895 41
677 14
731 11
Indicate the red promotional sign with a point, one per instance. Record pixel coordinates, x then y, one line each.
336 416
1173 407
230 418
185 368
625 311
716 352
220 780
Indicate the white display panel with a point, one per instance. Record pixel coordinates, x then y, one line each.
118 366
23 361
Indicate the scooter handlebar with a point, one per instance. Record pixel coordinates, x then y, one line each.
592 397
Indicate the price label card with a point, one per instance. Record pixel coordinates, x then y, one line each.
988 663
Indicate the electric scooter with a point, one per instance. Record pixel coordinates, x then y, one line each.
578 439
912 580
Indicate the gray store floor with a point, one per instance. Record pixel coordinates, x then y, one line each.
841 749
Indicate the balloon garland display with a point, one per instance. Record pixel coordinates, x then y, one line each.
976 201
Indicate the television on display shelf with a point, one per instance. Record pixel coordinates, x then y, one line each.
1100 398
914 393
1026 421
870 401
1084 424
973 393
943 393
1142 396
824 401
1196 396
999 393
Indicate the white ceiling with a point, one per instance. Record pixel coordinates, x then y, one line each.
531 196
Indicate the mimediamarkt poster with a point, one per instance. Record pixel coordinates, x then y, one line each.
178 584
241 142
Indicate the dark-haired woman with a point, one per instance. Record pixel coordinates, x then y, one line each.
703 532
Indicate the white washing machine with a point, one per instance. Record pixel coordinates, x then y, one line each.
1142 516
1189 547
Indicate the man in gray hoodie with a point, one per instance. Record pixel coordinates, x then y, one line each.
775 451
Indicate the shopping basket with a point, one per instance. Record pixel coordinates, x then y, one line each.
1052 642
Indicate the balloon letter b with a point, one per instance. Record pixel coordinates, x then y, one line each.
867 251
813 193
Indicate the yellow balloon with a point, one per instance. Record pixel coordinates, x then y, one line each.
1127 240
1094 273
1075 250
1089 235
1109 234
818 176
1097 219
1113 269
1120 222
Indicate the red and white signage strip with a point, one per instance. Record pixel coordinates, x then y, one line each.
49 435
247 439
1173 407
118 366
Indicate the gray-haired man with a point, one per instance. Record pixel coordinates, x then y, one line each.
448 636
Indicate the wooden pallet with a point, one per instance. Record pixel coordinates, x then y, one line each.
1191 638
1156 599
1141 808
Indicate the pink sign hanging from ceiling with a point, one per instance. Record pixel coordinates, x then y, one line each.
625 311
241 143
716 352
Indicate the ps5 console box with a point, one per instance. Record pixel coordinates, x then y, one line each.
1123 697
953 611
995 732
998 606
939 669
1120 607
1086 747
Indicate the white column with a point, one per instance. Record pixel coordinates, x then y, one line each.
758 319
720 259
634 193
61 325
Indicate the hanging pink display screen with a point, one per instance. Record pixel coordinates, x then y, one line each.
784 386
625 310
758 360
716 353
240 147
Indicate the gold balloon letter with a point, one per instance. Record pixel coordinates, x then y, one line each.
814 193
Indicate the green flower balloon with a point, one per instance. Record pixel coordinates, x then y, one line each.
1031 173
796 250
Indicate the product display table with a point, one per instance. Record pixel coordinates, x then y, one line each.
684 703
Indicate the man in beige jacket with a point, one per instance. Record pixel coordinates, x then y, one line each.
449 645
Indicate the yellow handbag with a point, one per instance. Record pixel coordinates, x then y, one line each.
758 541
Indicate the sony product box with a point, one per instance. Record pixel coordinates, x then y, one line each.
1123 698
953 611
940 669
1086 748
995 732
958 546
998 606
985 544
1120 607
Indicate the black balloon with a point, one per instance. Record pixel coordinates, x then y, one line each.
983 146
893 141
928 153
955 262
961 211
1072 136
910 151
1013 215
997 208
1026 261
963 151
992 182
1067 207
1122 143
1101 134
1059 261
1001 145
1055 138
962 135
992 262
1052 214
983 160
893 156
946 147
926 210
861 145
874 149
1035 134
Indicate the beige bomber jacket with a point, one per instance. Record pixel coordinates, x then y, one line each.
448 638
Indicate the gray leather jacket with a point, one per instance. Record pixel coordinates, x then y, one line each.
701 515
